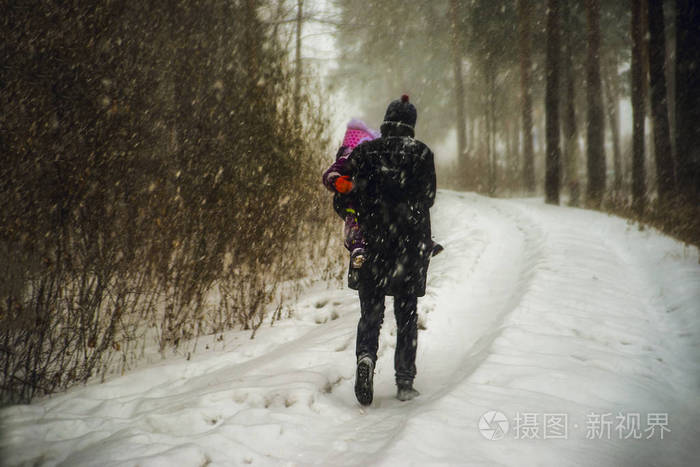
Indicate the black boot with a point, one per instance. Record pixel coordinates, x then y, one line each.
405 391
363 380
357 258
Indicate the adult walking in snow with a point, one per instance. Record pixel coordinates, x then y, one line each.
393 181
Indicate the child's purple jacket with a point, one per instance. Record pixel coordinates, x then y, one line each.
336 169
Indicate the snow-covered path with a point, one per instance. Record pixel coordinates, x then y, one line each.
572 324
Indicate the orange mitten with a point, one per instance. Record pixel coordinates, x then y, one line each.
343 184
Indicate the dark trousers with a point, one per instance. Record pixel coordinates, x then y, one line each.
406 312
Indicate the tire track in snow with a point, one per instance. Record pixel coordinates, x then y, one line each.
472 288
585 333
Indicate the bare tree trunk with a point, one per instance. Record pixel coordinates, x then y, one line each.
612 108
670 9
524 15
278 18
251 56
666 182
514 181
491 77
552 161
596 124
471 123
297 60
459 87
650 167
638 108
569 122
688 99
484 148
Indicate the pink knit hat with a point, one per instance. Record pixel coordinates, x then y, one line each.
356 133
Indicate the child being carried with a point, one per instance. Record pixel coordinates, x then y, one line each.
357 132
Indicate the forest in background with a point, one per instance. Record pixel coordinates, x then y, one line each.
160 180
533 91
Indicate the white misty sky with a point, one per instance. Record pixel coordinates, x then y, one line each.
320 54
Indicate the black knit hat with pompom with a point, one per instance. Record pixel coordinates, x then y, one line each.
401 112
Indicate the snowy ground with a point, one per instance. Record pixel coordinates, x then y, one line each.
580 331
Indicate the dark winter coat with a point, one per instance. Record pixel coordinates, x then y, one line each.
394 178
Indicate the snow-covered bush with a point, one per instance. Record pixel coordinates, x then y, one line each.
151 155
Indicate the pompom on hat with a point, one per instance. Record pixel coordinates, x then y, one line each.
401 112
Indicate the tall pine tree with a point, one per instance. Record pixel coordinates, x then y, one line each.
595 132
638 107
665 177
552 161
